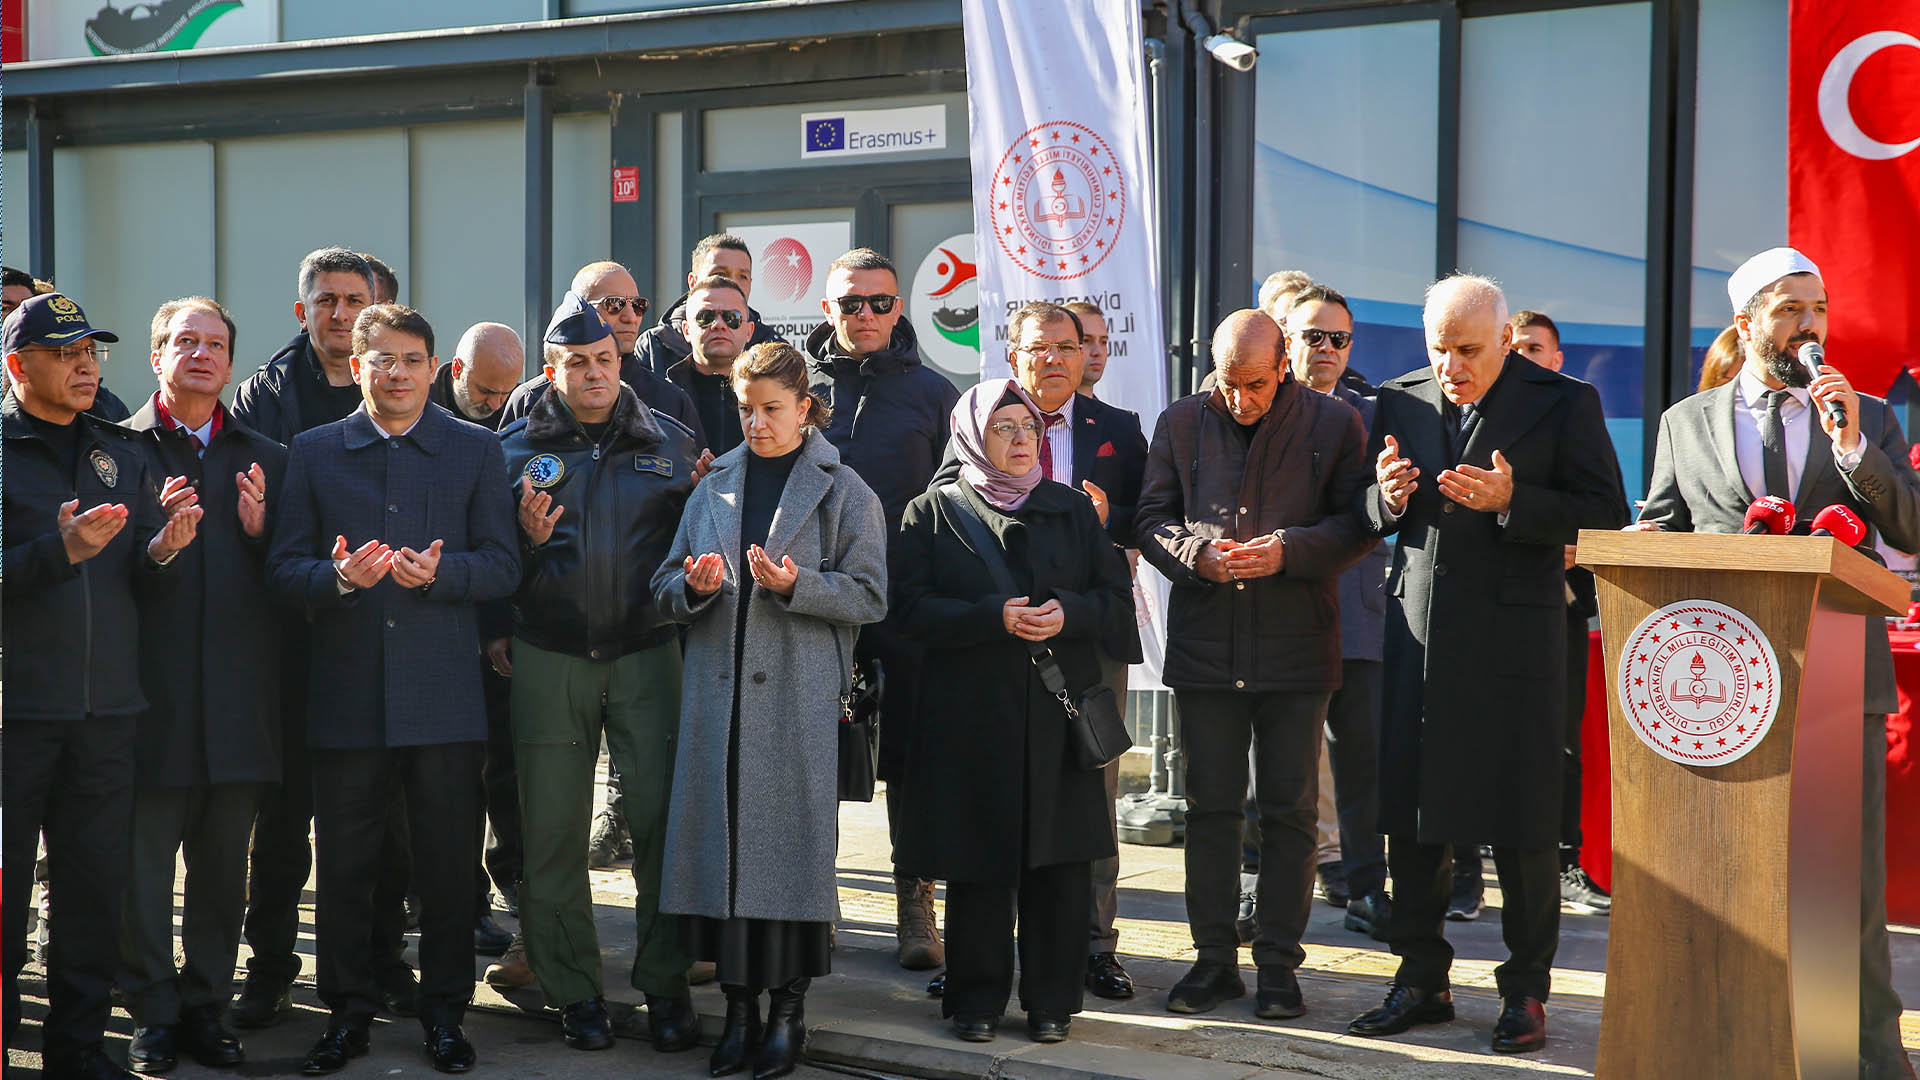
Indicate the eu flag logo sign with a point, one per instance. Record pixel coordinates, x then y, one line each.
827 134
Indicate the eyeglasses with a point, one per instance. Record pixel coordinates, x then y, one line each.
1065 350
850 304
614 305
74 354
1007 429
1313 336
386 363
704 318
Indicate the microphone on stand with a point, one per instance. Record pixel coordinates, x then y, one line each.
1769 515
1812 355
1840 523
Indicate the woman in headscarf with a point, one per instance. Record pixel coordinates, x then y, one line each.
781 556
998 806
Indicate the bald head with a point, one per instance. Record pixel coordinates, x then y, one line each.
1246 363
610 288
486 366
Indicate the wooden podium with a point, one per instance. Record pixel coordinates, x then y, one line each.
1734 946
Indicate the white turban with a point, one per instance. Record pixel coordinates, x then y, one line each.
1763 270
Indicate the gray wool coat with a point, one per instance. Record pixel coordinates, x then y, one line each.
798 659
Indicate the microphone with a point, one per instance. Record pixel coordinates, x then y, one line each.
1812 355
1840 523
1770 515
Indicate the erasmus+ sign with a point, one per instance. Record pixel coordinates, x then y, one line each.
873 131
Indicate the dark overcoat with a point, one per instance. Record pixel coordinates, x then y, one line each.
992 782
210 652
394 666
1474 703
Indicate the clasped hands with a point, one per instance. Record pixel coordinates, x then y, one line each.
1032 623
1490 490
364 566
1225 560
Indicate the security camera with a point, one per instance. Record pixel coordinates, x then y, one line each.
1232 52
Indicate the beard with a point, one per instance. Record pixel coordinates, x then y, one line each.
1784 364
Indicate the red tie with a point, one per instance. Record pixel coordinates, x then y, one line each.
1047 420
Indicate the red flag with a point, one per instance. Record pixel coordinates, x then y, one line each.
1853 177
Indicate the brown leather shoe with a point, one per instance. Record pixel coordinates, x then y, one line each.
511 971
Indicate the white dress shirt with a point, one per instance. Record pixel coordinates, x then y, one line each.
1797 422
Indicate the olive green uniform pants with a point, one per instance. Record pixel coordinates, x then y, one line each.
560 706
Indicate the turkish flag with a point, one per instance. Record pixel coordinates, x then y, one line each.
1853 177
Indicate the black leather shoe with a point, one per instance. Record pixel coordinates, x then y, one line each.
339 1045
673 1023
1522 1027
786 1032
201 1036
261 1006
1107 979
1370 915
152 1050
1331 883
586 1026
1405 1006
1278 995
937 986
1048 1029
976 1028
489 938
449 1050
739 1035
1209 983
89 1064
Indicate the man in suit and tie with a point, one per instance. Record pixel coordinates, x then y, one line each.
1486 466
1768 432
394 523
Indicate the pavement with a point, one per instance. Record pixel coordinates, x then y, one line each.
872 1019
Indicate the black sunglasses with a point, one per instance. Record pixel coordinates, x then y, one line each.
850 304
704 318
614 305
1313 336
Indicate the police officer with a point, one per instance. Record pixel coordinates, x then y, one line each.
601 479
87 531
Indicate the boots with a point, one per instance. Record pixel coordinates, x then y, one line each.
786 1032
604 846
740 1037
919 948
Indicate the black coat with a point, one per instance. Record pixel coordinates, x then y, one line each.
1296 476
393 666
661 396
992 781
891 413
1474 704
210 650
1109 449
588 591
71 631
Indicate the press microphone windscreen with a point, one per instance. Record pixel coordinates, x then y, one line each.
1840 523
1769 514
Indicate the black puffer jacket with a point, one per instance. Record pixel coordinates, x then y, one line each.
662 345
891 413
288 395
72 632
588 590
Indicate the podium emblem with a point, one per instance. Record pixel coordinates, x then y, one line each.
1699 683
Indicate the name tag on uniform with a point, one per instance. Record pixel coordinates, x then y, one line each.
653 463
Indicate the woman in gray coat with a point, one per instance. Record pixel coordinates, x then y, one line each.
780 558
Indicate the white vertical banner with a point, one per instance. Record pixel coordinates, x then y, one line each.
1063 201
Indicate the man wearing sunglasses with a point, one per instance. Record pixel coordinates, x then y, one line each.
1353 857
890 421
718 325
612 292
666 343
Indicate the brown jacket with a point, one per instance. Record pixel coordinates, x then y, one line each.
1297 476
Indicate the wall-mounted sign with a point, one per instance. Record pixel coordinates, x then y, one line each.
61 29
847 133
790 272
945 302
626 184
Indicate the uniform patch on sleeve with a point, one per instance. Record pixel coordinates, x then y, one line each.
653 463
544 470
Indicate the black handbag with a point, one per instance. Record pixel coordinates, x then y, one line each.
860 729
1095 732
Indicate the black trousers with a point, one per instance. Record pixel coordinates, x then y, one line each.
1529 917
503 861
211 823
1353 742
1052 910
1577 648
353 795
1284 730
72 779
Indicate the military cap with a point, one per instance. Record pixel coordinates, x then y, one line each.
576 322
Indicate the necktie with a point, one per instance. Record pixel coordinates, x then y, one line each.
1047 420
1773 446
1462 429
199 447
